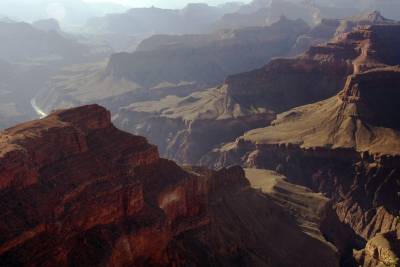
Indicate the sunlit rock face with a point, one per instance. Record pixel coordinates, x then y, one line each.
23 42
207 58
187 129
346 146
78 191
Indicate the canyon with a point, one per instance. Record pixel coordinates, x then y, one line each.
76 191
261 134
168 65
346 147
30 54
187 128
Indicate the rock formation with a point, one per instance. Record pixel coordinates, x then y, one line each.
346 147
382 250
76 191
329 28
169 65
185 128
205 58
29 57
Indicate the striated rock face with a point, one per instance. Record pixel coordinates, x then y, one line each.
365 190
319 73
205 58
330 28
188 128
76 191
69 179
382 250
346 147
22 41
166 65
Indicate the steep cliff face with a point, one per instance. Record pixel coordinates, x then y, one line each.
166 65
382 250
205 58
187 128
68 189
76 191
327 28
319 73
346 147
249 228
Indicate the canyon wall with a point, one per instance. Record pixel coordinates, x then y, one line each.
76 191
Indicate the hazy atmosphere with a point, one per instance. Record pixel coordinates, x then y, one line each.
77 11
171 133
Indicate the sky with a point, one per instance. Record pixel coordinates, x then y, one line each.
158 3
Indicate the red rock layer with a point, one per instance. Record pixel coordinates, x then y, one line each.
319 73
76 191
362 176
363 186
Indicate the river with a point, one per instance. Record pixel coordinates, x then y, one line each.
38 111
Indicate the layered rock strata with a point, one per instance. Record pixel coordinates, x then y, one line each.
187 128
346 147
76 191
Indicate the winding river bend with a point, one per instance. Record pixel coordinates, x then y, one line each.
38 111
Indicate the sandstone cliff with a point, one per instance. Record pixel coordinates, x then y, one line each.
76 191
187 128
167 65
331 27
346 147
30 54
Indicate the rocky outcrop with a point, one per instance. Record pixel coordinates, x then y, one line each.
382 250
205 58
346 147
187 128
171 132
76 191
30 54
319 73
329 28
